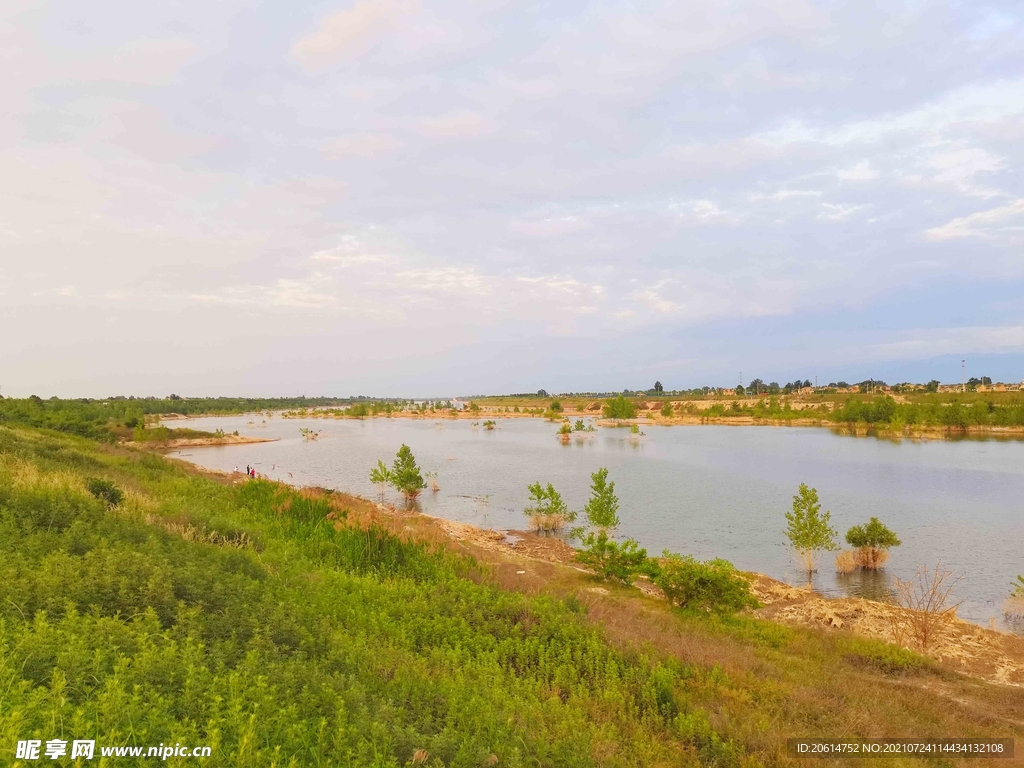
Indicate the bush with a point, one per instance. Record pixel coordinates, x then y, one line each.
619 408
666 409
872 540
548 512
611 560
105 490
846 562
714 586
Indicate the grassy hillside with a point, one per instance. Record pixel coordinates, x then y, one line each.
297 629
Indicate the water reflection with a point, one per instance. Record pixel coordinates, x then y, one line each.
871 584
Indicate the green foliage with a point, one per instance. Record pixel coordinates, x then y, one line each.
405 474
556 406
712 586
602 510
565 429
1018 588
330 646
666 409
489 424
872 534
105 490
611 560
886 658
619 408
380 475
809 530
547 509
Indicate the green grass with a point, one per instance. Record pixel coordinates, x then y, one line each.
291 629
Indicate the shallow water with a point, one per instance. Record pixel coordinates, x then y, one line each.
710 491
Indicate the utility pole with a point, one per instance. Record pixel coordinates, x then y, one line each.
963 375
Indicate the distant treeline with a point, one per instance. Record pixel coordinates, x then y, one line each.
118 416
885 411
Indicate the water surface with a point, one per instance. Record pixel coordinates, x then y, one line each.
710 491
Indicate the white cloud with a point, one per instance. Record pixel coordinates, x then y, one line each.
839 211
984 224
346 33
862 171
367 145
457 125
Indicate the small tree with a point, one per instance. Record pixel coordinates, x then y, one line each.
809 531
380 476
556 406
619 408
666 409
873 541
548 512
658 387
405 474
602 509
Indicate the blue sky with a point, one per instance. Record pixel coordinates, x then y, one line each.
396 197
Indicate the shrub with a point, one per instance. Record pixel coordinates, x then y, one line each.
924 610
846 562
666 409
809 531
489 424
556 406
548 512
611 560
713 586
872 540
619 408
105 490
405 474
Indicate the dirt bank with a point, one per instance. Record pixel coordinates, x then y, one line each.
192 442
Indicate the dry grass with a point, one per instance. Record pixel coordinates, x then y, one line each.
872 557
924 600
547 524
846 562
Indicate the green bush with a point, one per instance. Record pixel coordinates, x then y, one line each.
619 408
713 586
105 490
611 560
809 530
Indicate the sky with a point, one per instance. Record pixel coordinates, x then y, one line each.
392 197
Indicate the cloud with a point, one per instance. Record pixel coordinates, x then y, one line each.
344 34
456 125
369 145
862 171
839 211
983 224
929 342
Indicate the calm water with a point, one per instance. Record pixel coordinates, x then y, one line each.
709 491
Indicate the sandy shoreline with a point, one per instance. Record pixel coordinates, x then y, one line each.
192 442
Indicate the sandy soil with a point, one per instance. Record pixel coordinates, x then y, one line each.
191 442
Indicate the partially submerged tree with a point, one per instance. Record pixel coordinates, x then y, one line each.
380 476
809 531
548 512
873 541
405 474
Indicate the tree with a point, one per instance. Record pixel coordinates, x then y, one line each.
556 406
740 390
658 388
872 540
809 531
619 408
548 511
381 476
602 510
666 409
542 393
933 385
405 474
614 561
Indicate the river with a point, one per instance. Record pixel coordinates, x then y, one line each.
709 491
